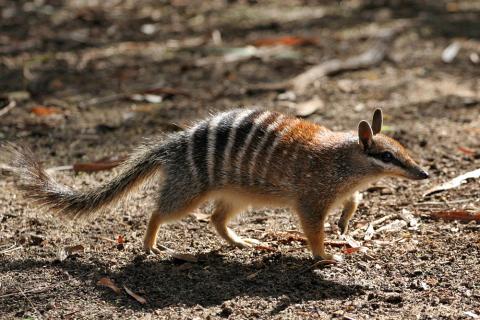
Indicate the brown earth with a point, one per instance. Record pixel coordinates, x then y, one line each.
63 54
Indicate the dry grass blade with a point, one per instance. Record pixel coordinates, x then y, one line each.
180 256
455 182
135 296
106 282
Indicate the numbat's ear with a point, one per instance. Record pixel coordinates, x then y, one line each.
377 121
365 134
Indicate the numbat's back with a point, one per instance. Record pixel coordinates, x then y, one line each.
240 158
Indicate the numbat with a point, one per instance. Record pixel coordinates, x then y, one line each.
240 158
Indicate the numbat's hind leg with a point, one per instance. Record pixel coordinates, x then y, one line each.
160 217
224 212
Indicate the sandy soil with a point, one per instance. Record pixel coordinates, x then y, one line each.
86 61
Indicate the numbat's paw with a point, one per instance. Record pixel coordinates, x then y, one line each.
330 257
152 250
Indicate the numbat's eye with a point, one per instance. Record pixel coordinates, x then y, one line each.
387 156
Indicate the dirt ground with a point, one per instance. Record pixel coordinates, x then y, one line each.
73 68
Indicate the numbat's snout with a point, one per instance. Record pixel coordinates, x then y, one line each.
240 158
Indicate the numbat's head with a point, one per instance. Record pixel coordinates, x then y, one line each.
383 155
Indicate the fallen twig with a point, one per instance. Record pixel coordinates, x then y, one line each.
29 301
455 182
13 247
36 290
460 215
8 107
367 59
373 223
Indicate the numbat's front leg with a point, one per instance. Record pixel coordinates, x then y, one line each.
312 219
349 208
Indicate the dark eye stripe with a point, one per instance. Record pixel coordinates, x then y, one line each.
393 161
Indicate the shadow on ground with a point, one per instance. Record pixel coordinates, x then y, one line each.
212 281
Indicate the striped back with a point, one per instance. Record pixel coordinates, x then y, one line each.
238 147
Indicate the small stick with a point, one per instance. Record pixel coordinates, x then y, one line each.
444 202
373 223
30 302
8 107
37 290
11 249
364 60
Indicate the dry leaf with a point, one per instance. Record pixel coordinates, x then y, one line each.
289 237
350 250
406 215
456 215
140 299
43 111
369 233
120 239
336 243
351 242
471 314
106 282
99 165
62 254
393 226
291 41
454 182
467 151
304 109
265 248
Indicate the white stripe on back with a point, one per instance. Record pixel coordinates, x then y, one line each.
231 140
212 138
241 154
278 138
271 127
191 161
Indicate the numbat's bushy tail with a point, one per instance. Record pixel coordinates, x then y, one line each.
45 191
238 158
